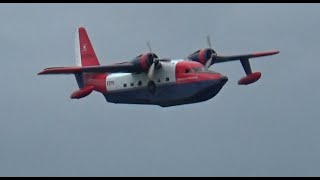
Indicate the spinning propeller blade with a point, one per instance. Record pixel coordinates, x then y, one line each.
208 63
209 41
155 62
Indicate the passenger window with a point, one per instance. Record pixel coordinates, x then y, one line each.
124 85
131 84
167 79
139 83
159 80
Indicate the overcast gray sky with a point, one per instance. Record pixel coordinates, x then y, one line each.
270 128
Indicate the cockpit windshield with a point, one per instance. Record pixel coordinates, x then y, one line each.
202 70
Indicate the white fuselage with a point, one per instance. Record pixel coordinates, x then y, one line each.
129 81
170 90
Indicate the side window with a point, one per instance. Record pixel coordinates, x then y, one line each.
131 84
159 81
187 70
124 85
167 79
139 83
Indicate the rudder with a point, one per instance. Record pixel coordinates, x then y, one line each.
85 55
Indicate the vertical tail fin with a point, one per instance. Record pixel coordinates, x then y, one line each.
85 55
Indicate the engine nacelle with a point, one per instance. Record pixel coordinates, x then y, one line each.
202 55
144 61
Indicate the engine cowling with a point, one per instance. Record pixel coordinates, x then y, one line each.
202 55
144 61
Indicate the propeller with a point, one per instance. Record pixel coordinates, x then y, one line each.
151 72
149 46
155 62
209 41
208 63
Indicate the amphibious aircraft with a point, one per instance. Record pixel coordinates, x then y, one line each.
148 79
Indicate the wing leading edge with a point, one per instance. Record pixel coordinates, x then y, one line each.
126 67
221 59
250 77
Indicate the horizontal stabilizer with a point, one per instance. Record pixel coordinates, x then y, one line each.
61 70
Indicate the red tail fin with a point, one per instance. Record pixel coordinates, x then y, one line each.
85 54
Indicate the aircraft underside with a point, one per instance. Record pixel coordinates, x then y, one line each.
168 95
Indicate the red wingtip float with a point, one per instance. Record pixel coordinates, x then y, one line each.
147 79
250 78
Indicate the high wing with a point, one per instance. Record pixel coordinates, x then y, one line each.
221 59
244 59
125 67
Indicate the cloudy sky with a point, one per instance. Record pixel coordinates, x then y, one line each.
270 128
